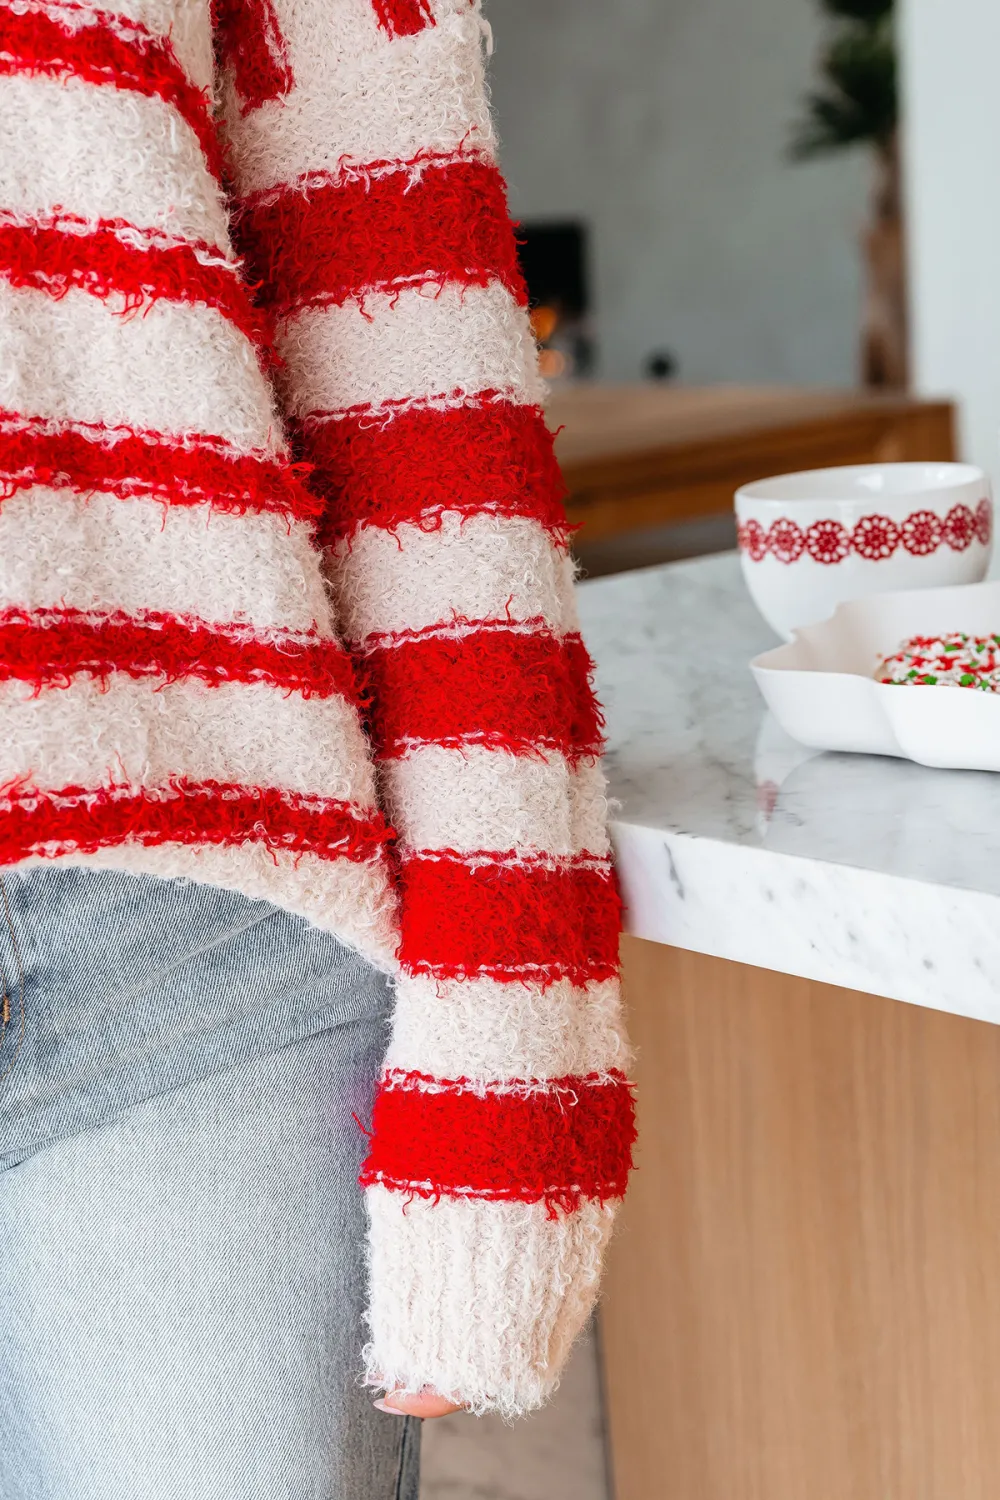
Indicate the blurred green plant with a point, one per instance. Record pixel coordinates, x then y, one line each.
857 101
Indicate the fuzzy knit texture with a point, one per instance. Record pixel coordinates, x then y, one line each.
286 604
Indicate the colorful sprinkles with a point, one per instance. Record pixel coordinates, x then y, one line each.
968 661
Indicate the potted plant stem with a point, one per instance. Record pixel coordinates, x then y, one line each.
856 103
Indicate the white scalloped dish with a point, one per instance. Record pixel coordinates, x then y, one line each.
822 690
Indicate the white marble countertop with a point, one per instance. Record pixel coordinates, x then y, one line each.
732 840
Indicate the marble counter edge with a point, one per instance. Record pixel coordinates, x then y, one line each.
884 934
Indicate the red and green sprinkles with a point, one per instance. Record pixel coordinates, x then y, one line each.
968 661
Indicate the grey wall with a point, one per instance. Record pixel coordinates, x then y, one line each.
952 140
662 123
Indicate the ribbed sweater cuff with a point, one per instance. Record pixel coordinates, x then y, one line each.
480 1301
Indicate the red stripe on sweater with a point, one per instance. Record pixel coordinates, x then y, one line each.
509 919
107 49
62 254
425 223
49 647
249 41
559 1144
491 457
78 820
403 17
517 689
192 470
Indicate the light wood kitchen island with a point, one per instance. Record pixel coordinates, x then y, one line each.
803 1300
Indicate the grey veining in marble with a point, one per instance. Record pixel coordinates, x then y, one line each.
872 873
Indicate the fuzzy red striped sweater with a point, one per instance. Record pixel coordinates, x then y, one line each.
261 321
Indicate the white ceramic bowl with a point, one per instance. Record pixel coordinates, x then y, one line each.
812 540
822 688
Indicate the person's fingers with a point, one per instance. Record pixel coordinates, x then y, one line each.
421 1404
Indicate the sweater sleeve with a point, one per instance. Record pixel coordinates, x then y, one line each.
374 221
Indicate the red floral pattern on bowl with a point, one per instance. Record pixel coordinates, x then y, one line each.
873 537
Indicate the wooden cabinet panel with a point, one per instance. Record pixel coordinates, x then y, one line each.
803 1301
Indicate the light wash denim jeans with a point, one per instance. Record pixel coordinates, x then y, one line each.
181 1230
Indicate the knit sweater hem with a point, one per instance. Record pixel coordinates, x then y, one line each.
351 902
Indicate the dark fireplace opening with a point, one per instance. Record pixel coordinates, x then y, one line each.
554 261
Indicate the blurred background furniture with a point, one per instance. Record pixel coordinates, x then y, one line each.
651 469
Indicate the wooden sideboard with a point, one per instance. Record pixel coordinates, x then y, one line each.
643 456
